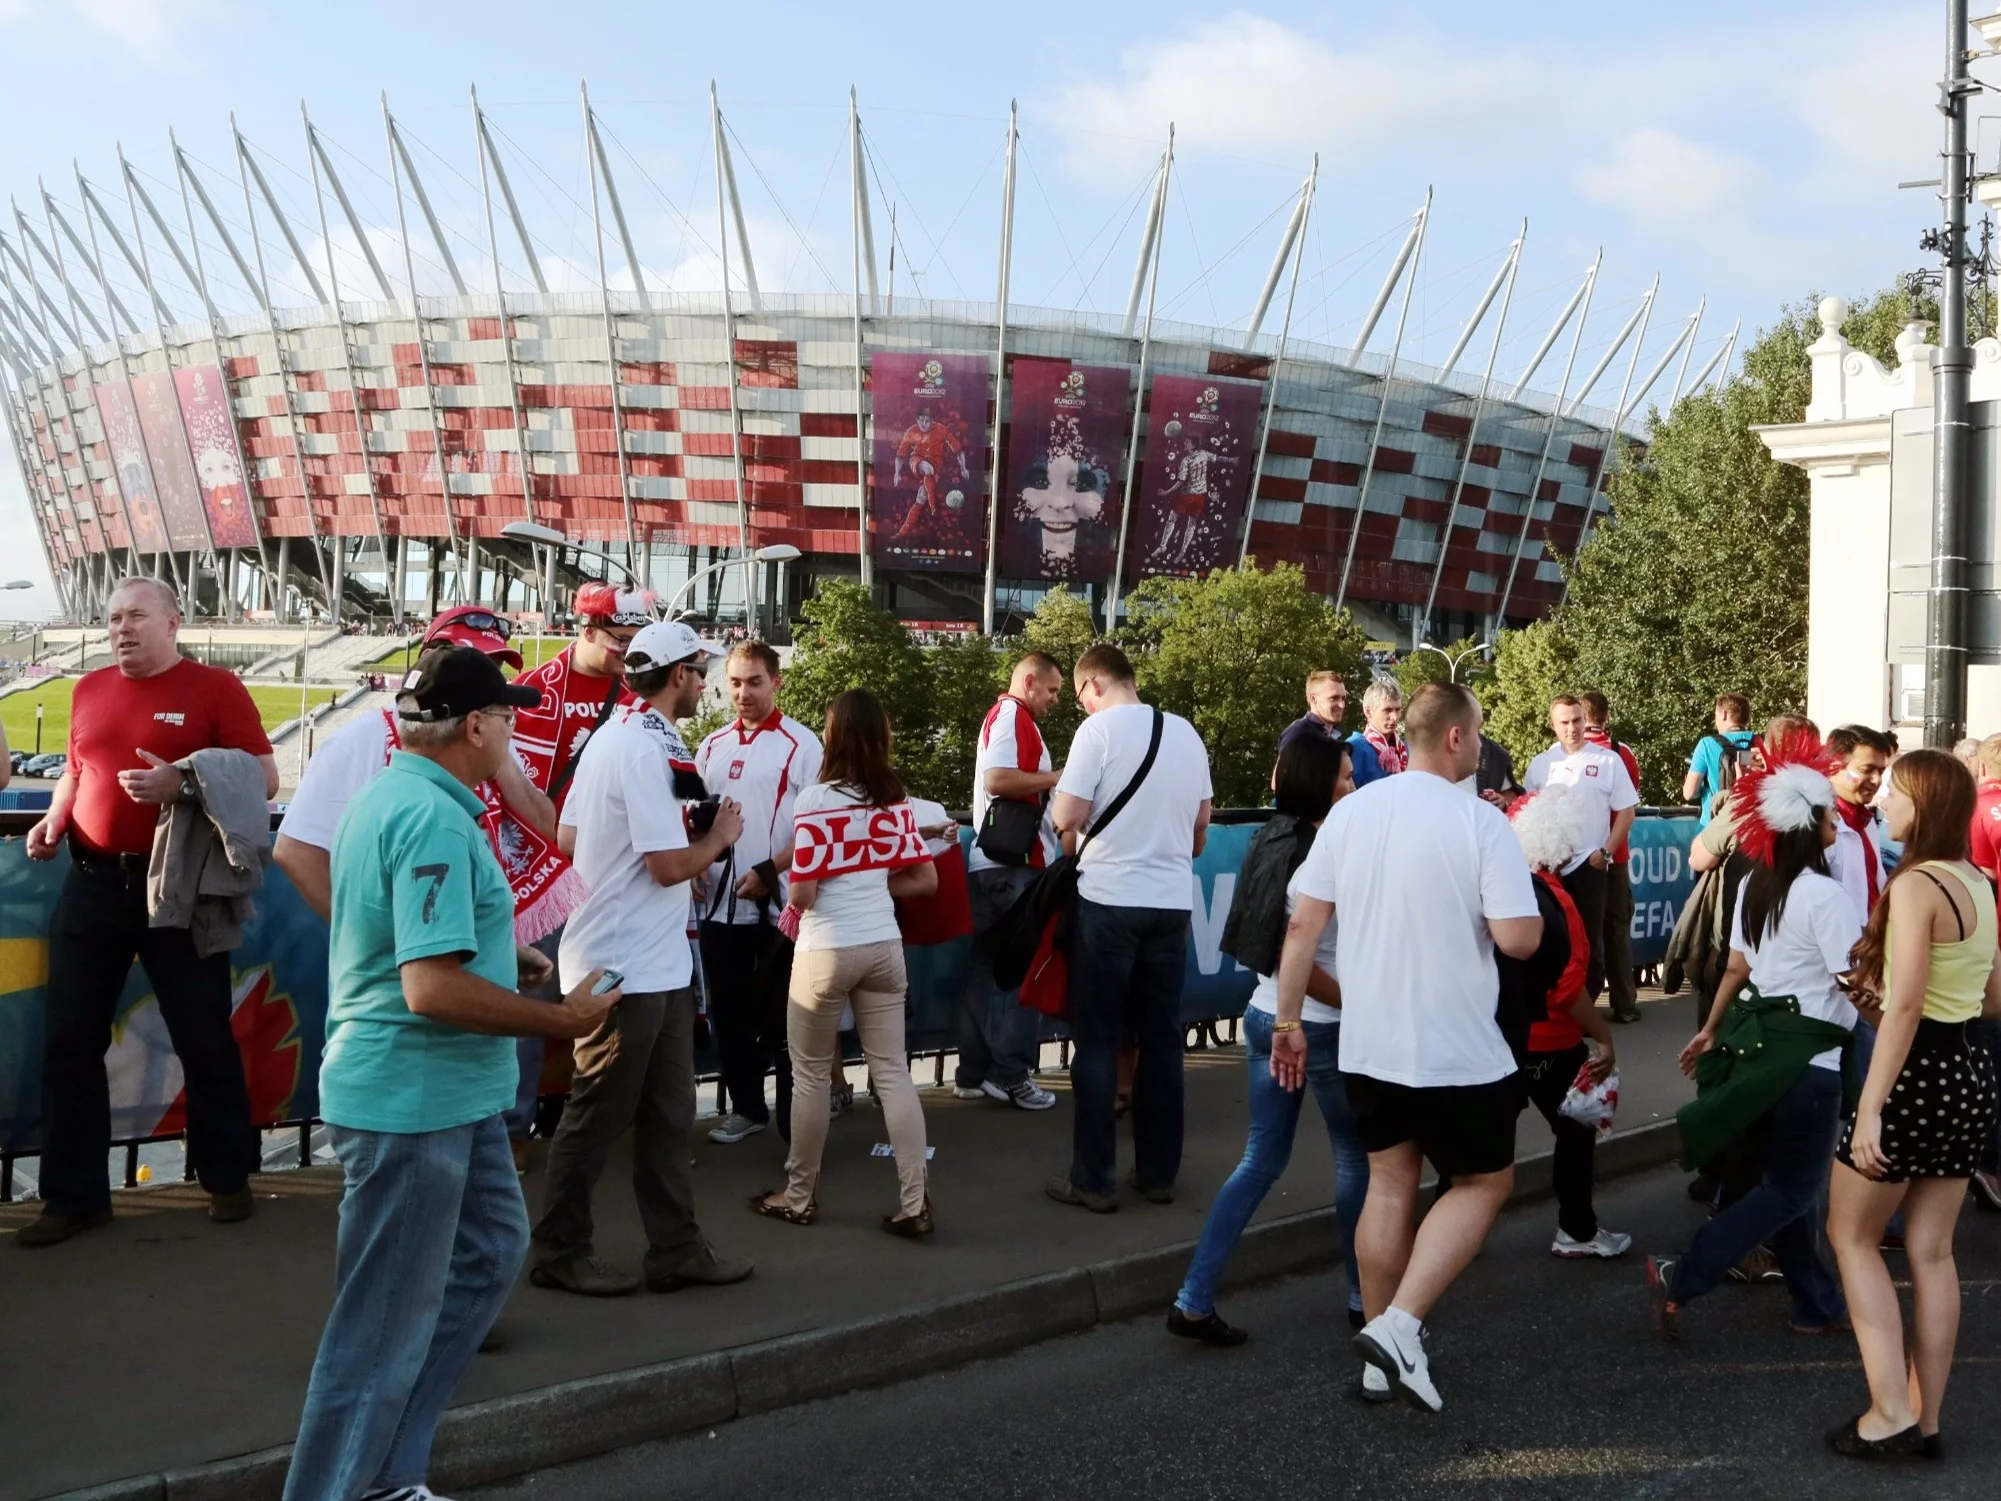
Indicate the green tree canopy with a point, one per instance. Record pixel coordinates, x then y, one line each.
1697 584
1231 653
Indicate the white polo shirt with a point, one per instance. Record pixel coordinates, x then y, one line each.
1597 772
763 767
1010 740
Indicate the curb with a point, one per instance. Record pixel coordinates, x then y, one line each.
484 1442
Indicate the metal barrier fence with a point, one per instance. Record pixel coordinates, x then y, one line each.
280 997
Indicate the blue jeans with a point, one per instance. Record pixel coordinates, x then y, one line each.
1126 969
432 1236
1788 1208
998 1036
1274 1118
529 1051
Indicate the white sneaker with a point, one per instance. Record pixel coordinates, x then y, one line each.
1401 1360
1375 1385
404 1493
733 1128
969 1091
1605 1244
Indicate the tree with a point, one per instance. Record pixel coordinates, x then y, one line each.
1421 667
1697 584
964 677
1064 627
1231 653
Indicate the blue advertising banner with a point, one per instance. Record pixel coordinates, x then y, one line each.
1661 881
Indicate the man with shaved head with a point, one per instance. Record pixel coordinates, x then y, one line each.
130 723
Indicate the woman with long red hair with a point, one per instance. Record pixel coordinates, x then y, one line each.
1927 1105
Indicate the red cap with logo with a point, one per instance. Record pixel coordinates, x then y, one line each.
477 627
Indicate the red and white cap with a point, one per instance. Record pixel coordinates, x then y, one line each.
607 604
477 627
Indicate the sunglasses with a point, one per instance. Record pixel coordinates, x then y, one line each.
482 620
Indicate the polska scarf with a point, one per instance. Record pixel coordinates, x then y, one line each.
546 887
1391 753
847 841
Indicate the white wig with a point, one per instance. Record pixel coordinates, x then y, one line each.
1550 826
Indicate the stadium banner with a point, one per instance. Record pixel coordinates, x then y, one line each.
929 488
279 985
135 472
167 447
1201 437
1066 454
218 461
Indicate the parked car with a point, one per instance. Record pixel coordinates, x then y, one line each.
49 765
17 759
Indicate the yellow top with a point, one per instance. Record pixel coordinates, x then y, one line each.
1958 978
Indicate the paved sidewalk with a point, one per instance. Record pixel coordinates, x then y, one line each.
167 1341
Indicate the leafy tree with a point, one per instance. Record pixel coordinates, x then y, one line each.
845 640
964 676
1062 626
1697 584
1232 655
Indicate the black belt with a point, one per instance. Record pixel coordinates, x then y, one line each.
92 859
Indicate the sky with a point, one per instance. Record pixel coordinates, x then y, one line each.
1747 154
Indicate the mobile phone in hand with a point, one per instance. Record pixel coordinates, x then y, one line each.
609 981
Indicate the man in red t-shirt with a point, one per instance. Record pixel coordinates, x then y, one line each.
1616 936
129 724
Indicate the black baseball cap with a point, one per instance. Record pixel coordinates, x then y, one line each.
457 681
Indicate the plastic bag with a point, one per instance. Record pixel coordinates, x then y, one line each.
1592 1104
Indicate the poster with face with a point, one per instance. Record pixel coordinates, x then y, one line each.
141 502
929 490
1200 444
211 430
173 472
1065 462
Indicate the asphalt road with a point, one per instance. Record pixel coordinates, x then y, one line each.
1553 1387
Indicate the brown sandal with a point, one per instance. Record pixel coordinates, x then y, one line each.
762 1204
910 1226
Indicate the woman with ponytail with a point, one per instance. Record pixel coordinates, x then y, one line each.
1927 1105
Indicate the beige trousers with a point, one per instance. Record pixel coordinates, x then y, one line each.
869 977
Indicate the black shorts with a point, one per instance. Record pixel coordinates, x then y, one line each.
1463 1128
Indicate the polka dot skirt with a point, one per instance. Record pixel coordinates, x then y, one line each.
1941 1110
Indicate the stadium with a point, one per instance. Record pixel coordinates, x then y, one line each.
357 458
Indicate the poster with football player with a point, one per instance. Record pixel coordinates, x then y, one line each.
1065 459
1201 440
929 488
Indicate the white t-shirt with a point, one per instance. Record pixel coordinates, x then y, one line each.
1595 771
849 910
1010 740
1146 858
1849 860
763 767
344 763
1415 868
1803 954
623 807
1265 997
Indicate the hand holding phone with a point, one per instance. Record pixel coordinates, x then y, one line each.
607 982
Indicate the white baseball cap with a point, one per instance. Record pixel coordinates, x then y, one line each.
667 642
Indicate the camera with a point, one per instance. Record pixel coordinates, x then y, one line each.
701 816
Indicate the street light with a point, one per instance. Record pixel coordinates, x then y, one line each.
1453 659
19 584
553 540
777 552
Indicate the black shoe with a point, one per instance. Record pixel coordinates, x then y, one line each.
1848 1440
1934 1447
1152 1194
1356 1318
232 1209
1210 1331
1702 1189
52 1229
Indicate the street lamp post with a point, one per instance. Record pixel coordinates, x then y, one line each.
778 552
1453 659
554 541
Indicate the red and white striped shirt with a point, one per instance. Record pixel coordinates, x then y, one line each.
763 767
1010 740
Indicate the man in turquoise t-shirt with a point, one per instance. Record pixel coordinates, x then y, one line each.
1707 777
419 1065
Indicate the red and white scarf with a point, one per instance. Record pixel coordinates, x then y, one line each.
546 887
847 841
1391 753
1859 818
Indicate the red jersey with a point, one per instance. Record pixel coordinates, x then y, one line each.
1557 1031
1986 851
173 714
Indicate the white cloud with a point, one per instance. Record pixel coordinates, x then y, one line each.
1665 181
154 30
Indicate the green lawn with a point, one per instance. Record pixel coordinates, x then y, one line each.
17 711
533 653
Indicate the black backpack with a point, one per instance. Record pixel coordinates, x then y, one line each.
1729 766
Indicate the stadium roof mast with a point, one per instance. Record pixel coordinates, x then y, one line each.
1421 630
1294 240
1682 341
863 240
1149 239
1556 329
1719 362
78 314
601 169
1149 249
1285 244
315 157
726 189
162 314
1642 315
490 158
124 373
1583 297
1000 367
399 162
19 256
184 176
114 308
399 152
248 163
261 287
1688 349
29 485
41 495
1413 248
318 149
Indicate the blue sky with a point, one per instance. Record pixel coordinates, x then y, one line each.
1745 152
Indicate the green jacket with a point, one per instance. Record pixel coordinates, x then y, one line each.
1762 1045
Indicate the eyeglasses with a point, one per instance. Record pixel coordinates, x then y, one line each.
504 711
622 639
481 620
